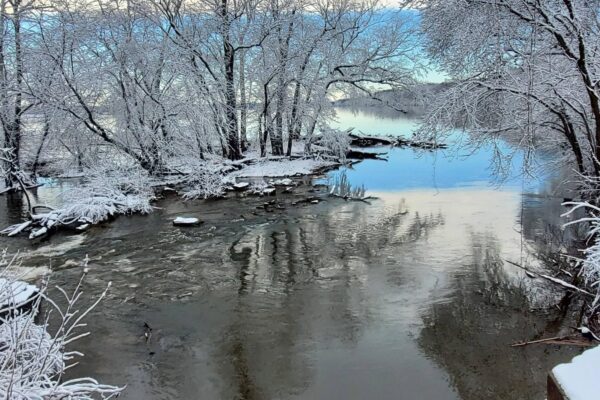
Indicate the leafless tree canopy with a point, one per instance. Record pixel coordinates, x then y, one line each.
525 69
159 82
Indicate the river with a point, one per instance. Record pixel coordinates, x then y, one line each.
407 297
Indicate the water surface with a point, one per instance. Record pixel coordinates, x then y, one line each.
407 297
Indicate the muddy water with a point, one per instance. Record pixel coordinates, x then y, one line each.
407 297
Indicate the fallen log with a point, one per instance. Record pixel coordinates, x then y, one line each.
552 279
568 340
371 141
364 155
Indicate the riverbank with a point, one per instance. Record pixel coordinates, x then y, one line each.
106 193
329 285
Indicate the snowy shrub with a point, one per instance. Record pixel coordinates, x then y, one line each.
590 270
105 194
336 141
33 361
204 182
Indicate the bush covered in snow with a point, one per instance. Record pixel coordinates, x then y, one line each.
104 194
590 270
336 141
204 182
33 360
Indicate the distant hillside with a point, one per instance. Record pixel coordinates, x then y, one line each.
410 101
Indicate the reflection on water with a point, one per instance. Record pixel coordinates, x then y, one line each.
452 167
404 298
376 121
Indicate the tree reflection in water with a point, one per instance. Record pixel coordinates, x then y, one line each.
470 333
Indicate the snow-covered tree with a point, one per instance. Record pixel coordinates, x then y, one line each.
523 69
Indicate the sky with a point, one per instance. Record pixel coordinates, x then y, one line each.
435 76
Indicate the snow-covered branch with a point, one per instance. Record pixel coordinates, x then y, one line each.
33 360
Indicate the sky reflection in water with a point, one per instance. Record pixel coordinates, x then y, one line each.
408 169
404 298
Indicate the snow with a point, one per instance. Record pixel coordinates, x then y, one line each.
579 378
19 228
83 227
241 185
183 221
37 233
15 293
283 168
591 264
32 360
282 182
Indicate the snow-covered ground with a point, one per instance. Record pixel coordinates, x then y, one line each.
579 378
280 168
107 192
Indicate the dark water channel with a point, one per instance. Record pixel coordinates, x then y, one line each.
404 298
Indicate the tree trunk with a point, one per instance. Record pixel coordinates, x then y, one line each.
233 144
284 43
264 129
243 103
295 125
38 153
12 124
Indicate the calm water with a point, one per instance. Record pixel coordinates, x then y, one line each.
404 298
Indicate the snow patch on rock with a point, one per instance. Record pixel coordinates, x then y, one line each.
185 221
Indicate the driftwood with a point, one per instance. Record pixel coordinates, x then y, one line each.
308 200
364 155
351 198
370 141
566 340
552 279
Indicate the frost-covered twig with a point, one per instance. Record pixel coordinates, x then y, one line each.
591 263
33 360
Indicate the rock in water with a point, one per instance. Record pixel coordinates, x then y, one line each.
186 221
83 227
38 233
241 186
282 182
15 295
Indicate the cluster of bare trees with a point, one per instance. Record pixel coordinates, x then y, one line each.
155 81
529 69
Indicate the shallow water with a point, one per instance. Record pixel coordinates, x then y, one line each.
407 297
